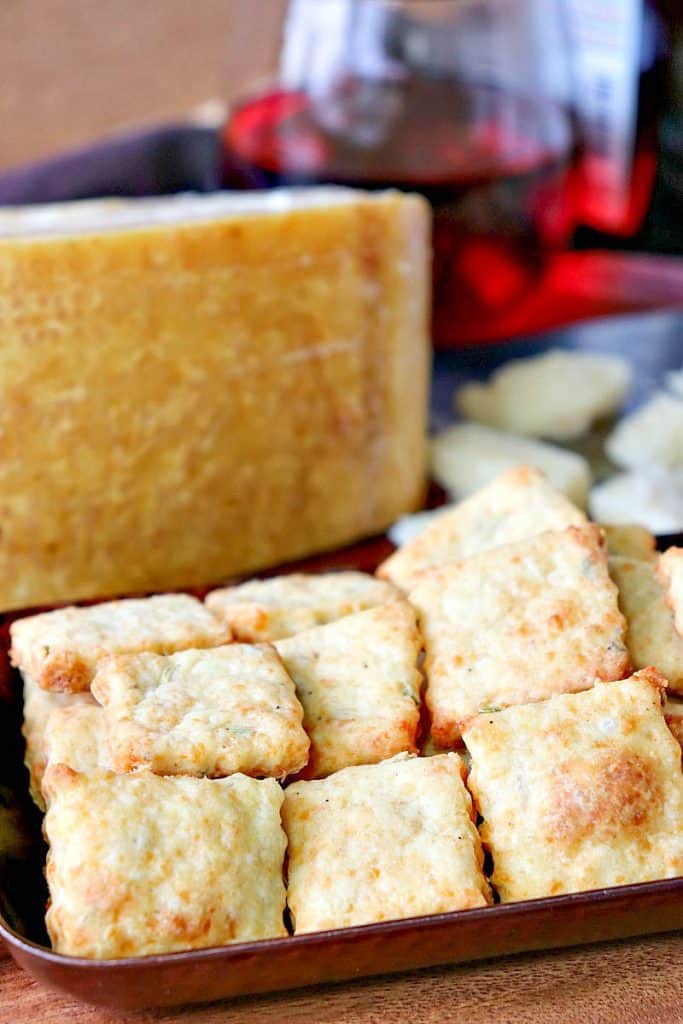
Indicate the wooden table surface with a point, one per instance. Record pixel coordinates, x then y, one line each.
638 981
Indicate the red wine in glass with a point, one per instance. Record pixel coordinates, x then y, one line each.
493 165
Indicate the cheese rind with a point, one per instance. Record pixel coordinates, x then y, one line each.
208 397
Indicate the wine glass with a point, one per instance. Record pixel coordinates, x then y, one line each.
465 101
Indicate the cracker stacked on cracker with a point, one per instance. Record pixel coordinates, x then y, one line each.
181 748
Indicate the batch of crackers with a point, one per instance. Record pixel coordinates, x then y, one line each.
311 752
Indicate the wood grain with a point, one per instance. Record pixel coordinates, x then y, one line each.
632 982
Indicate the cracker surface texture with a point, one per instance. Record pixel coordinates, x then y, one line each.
651 638
673 715
579 792
359 685
519 503
76 737
670 574
140 864
213 712
630 541
379 842
39 705
276 608
517 624
62 649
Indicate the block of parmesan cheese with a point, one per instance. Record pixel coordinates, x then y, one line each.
201 386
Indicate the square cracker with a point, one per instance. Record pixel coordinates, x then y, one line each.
39 705
273 609
76 737
670 574
62 649
651 636
209 712
359 685
579 792
379 842
517 504
142 864
517 624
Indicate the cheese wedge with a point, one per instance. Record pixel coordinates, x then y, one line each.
202 386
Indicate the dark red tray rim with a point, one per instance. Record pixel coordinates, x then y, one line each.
589 899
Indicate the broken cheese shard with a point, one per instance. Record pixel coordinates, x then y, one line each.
652 434
557 394
466 456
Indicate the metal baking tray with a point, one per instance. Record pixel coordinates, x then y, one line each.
655 342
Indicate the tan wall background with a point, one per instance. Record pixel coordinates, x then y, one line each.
75 70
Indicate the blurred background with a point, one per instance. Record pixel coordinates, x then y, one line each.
546 133
73 71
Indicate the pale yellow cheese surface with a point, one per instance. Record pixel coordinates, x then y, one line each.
180 402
